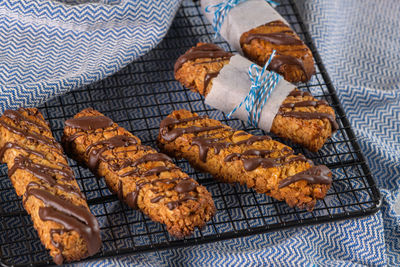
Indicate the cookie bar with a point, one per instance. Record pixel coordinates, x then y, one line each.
301 118
142 177
40 173
293 60
266 165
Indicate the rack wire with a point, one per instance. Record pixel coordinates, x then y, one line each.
138 97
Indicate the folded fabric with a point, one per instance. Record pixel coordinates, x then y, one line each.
50 47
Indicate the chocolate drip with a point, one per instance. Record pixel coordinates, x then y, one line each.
10 145
250 164
151 157
158 170
175 133
299 93
111 143
241 133
45 174
174 204
314 175
184 185
250 152
168 121
32 136
208 78
311 116
253 139
201 51
59 258
18 117
210 61
70 216
205 144
277 38
309 103
22 162
156 199
280 60
87 123
154 171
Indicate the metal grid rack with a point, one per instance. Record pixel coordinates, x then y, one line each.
138 97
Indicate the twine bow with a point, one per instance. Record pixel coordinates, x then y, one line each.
262 85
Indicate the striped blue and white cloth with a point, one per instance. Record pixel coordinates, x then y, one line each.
359 44
49 47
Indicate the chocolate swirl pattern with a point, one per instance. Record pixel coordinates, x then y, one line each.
139 175
235 156
39 172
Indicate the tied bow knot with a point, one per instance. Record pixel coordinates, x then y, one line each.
223 8
263 84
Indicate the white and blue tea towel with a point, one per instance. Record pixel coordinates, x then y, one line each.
50 47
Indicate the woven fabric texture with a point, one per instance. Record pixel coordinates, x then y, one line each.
51 47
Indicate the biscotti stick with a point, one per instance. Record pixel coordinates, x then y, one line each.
301 118
40 173
294 60
256 29
141 176
236 156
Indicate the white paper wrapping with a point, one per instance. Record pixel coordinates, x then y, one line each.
232 85
242 18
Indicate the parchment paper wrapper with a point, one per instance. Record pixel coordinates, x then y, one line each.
242 18
233 84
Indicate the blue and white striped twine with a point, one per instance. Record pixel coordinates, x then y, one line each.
262 85
223 8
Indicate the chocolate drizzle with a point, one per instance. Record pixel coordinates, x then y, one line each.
308 103
285 37
87 123
57 208
252 163
299 93
46 174
175 133
174 204
280 60
31 135
202 51
94 155
311 116
307 115
183 185
70 216
171 134
315 175
205 144
208 78
277 38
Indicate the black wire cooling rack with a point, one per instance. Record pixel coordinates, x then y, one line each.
138 97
